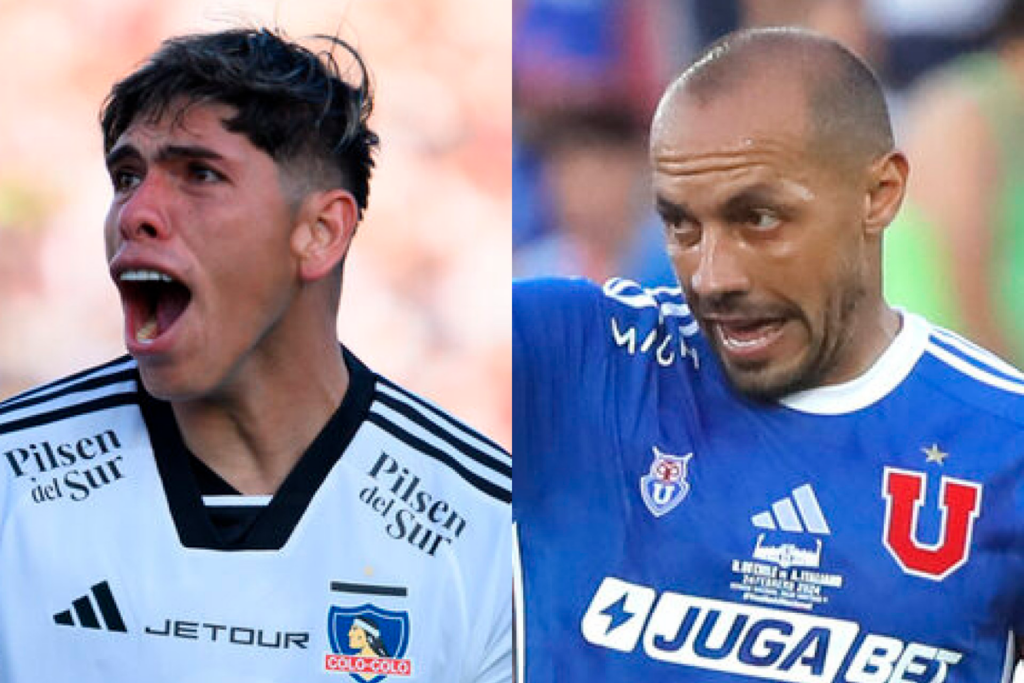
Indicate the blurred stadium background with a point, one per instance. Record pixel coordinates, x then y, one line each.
426 291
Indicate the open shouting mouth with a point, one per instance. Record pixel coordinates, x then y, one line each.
153 302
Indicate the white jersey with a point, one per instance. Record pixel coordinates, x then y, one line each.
384 556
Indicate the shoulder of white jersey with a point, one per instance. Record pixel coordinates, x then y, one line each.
437 435
976 375
98 388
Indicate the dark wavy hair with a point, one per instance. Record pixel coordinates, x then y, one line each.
292 103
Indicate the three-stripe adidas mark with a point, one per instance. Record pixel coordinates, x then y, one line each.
798 512
83 610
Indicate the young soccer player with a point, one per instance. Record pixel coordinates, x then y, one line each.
232 499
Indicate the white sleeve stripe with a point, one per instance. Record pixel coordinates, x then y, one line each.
452 427
690 328
975 372
976 353
1010 663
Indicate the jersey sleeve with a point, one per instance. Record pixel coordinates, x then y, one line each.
554 322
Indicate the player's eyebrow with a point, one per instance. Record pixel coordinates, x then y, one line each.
755 196
120 153
164 154
671 212
172 152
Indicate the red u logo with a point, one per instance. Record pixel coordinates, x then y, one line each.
960 504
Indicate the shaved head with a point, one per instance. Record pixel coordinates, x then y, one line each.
775 176
846 114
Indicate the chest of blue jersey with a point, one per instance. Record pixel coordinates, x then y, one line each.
675 531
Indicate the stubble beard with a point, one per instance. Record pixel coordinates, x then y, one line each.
822 355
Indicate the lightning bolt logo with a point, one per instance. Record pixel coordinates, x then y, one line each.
618 613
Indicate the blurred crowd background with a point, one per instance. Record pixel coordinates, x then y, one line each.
587 75
426 290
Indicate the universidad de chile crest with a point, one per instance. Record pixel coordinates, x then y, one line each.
368 642
665 485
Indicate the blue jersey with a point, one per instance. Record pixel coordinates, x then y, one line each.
673 530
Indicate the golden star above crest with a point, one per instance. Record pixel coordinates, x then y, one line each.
935 454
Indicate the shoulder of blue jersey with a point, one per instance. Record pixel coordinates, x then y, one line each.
977 376
536 301
666 303
654 323
99 388
433 432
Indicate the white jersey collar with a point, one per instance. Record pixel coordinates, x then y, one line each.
891 368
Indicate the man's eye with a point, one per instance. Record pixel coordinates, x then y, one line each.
683 231
764 219
125 180
203 174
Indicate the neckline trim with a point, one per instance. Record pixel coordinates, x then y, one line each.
274 524
887 373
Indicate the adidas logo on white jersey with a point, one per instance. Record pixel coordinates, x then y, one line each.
798 512
83 611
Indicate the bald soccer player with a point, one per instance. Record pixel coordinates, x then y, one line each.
769 474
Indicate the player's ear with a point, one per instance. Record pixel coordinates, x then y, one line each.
323 231
887 185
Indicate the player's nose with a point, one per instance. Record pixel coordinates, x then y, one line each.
719 268
144 213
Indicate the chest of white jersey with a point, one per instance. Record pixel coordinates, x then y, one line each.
396 569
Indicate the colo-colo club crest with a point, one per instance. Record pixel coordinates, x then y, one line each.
368 642
665 486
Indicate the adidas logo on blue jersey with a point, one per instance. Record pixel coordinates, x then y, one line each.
785 541
785 567
798 512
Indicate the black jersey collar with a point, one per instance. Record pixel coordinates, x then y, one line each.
276 522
